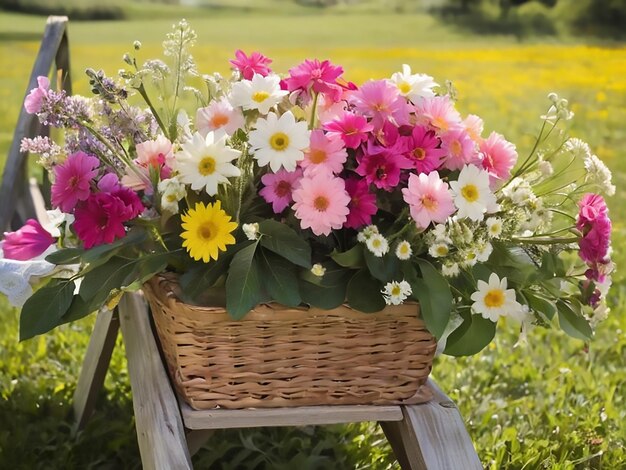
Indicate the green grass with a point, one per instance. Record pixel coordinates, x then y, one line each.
554 403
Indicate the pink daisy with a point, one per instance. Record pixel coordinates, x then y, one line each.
421 148
362 203
72 180
320 77
100 219
474 127
279 187
219 116
381 101
34 100
429 199
499 156
152 155
382 166
321 203
437 112
352 128
459 148
327 109
248 66
325 153
28 242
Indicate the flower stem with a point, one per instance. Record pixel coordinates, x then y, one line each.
314 112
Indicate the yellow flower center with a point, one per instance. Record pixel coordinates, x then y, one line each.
395 290
317 156
321 203
494 298
404 249
442 250
207 231
206 166
470 192
456 148
279 141
376 243
404 88
171 198
260 96
429 202
440 122
419 153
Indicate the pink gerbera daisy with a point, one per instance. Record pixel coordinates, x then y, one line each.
362 204
320 77
28 242
100 219
429 199
325 153
459 148
382 166
499 156
248 66
437 112
352 128
421 148
152 156
279 187
321 203
72 180
219 116
381 101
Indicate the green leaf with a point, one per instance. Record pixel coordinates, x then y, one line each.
98 283
45 308
364 293
78 309
541 305
471 337
279 279
102 253
284 241
321 296
574 324
146 268
243 284
384 268
353 258
65 256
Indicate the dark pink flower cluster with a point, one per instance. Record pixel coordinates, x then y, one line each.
594 223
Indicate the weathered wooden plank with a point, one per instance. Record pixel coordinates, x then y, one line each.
432 436
158 421
299 416
95 366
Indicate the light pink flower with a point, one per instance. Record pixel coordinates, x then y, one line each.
362 204
248 66
325 153
429 199
279 187
72 180
316 76
321 203
459 148
499 156
352 128
152 154
219 116
381 101
34 100
437 112
474 127
28 242
327 109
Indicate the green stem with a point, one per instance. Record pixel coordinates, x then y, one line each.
545 241
313 112
142 91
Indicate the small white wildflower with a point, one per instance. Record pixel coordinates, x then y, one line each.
578 148
598 173
494 227
493 300
377 244
318 270
484 252
396 292
403 250
251 230
450 270
438 250
172 191
545 168
366 233
469 257
440 233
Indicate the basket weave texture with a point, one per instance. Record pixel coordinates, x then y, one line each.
278 356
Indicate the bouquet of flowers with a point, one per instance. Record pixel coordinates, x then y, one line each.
305 188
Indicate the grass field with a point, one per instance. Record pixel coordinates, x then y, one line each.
555 403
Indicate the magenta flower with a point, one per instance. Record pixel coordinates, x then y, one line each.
459 149
321 203
592 207
279 187
362 203
325 153
429 199
320 77
499 156
34 100
28 242
595 225
352 128
72 180
110 184
594 245
248 66
382 166
421 148
381 101
100 219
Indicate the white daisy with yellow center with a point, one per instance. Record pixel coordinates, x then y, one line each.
262 93
396 293
279 142
439 250
494 227
403 250
413 86
377 244
493 300
172 190
205 163
472 195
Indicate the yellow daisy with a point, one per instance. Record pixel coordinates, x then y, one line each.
207 230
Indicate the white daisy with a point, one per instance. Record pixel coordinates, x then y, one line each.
396 292
494 227
172 191
403 250
469 257
279 142
318 270
377 244
413 86
251 231
438 250
205 162
262 93
493 300
366 233
484 252
472 195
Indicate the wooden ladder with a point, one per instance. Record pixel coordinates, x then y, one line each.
428 436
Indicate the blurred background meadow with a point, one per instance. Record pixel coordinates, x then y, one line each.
553 403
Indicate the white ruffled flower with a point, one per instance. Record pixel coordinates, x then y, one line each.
472 195
493 300
262 93
413 86
251 231
545 168
318 270
377 244
404 250
15 275
579 149
396 293
599 174
172 191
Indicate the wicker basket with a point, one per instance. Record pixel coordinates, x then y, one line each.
280 356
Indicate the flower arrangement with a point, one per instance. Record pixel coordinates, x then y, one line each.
308 189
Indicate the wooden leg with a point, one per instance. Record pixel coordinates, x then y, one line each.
160 430
95 366
432 436
196 438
